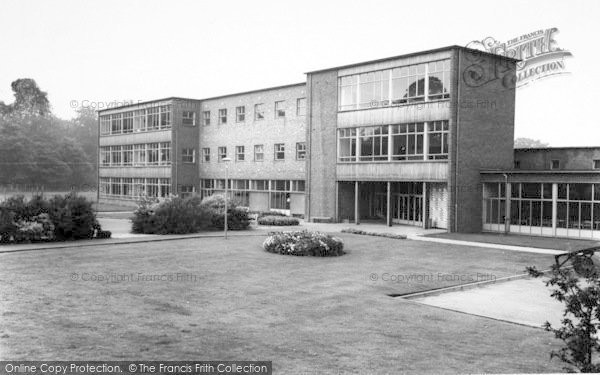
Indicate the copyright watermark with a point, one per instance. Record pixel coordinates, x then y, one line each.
438 277
115 278
100 105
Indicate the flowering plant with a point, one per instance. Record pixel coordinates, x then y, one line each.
303 243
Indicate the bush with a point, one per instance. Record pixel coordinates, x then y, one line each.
68 217
172 216
73 217
103 234
214 206
303 243
278 220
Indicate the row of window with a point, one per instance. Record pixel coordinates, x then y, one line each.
401 85
133 188
136 155
141 120
279 151
280 111
543 191
254 185
555 164
410 141
531 205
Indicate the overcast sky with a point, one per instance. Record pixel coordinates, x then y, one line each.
104 51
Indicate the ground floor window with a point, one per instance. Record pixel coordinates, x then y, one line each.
134 188
565 209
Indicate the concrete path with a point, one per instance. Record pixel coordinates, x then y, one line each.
420 237
525 301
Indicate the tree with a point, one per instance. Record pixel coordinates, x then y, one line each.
29 99
579 289
530 143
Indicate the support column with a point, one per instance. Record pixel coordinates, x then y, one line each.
554 207
356 206
424 210
507 192
389 204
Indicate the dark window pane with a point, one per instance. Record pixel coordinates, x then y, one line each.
531 190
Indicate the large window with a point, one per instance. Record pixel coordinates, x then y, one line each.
152 154
127 155
347 145
153 122
128 122
105 156
134 188
142 120
438 139
401 85
116 124
407 141
398 142
373 143
165 153
139 155
115 155
165 117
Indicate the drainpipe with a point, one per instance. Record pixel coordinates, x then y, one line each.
506 204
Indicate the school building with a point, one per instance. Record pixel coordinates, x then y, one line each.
421 139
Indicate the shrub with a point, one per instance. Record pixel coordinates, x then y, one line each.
214 206
68 217
103 234
73 217
278 220
578 288
172 216
303 243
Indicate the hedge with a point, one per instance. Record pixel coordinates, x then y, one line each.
278 220
303 243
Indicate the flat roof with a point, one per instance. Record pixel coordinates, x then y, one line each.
414 54
203 99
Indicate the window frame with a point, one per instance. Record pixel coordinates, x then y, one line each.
278 149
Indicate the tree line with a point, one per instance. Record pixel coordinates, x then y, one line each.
39 149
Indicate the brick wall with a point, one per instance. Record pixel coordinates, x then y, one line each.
569 158
322 144
484 130
269 131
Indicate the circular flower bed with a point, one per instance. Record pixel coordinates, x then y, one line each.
303 243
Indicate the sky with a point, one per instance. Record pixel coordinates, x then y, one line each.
94 53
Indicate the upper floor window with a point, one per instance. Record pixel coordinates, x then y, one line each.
223 116
373 143
301 107
165 117
128 122
517 164
240 114
597 164
279 151
116 124
438 139
222 153
407 141
280 109
301 151
259 152
206 154
188 118
240 153
206 118
555 164
259 111
401 85
188 155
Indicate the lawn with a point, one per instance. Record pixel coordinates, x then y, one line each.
308 315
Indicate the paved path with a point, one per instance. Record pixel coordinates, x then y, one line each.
525 301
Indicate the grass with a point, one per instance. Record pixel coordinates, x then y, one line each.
308 315
520 240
